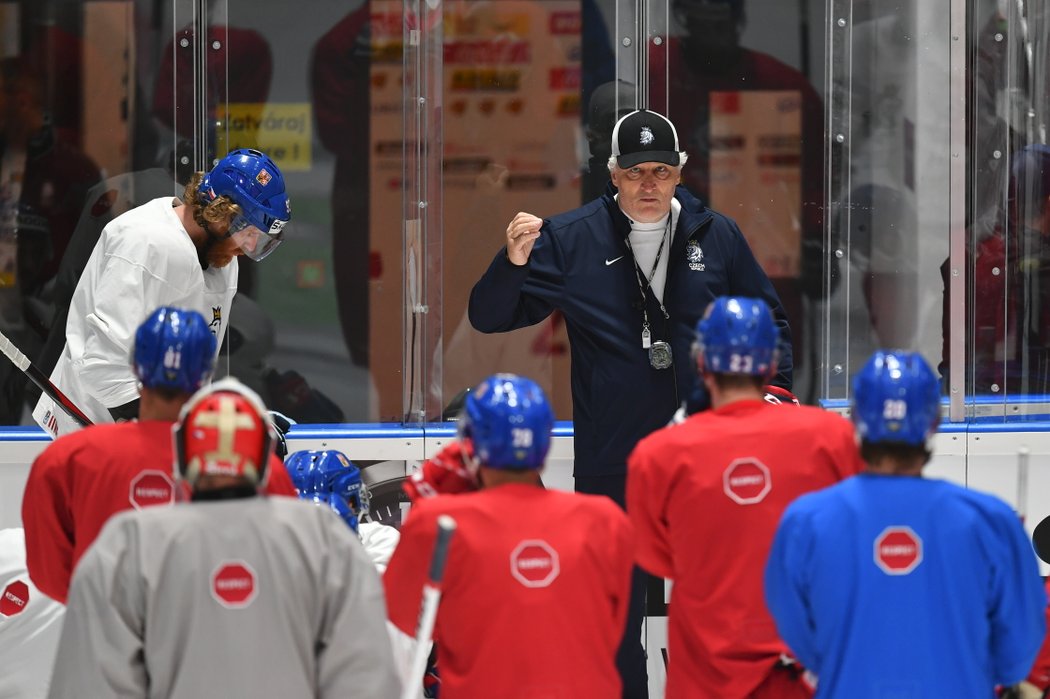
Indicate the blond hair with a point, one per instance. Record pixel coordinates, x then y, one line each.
221 211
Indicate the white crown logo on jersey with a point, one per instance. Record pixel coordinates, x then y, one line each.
646 136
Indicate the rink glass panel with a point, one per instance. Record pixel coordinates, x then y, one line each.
1007 319
889 162
866 151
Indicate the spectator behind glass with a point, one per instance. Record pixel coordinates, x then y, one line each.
43 184
709 73
1008 323
340 80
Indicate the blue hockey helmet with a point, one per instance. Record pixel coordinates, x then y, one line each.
339 505
298 465
174 349
896 398
509 421
330 477
254 183
737 335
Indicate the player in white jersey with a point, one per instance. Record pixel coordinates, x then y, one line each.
166 252
30 622
232 594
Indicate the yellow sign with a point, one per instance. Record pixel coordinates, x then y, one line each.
282 131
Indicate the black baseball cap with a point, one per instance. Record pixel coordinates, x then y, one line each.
645 137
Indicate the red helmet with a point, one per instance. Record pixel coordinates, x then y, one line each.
223 430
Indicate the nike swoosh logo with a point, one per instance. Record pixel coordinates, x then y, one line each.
615 259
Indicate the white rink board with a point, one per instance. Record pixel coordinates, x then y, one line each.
984 459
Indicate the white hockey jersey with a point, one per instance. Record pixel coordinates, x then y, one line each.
144 259
264 597
379 541
30 623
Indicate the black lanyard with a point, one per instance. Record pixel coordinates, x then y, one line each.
647 336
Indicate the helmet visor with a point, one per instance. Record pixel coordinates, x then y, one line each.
255 243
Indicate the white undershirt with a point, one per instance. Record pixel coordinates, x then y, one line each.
645 240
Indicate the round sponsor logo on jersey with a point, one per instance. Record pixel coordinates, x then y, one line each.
534 563
898 550
151 488
747 481
14 599
233 584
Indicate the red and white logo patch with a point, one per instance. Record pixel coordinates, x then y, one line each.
898 550
151 488
747 481
233 584
14 599
534 563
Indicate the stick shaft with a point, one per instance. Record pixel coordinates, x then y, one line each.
428 614
43 383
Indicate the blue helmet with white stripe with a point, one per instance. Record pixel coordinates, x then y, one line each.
174 349
896 398
253 182
737 335
509 421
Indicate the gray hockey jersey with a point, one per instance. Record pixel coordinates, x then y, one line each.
259 597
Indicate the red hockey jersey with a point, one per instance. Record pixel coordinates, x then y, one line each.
534 596
705 497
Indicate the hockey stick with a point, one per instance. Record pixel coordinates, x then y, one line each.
431 596
36 376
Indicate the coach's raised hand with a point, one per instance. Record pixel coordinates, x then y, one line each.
522 233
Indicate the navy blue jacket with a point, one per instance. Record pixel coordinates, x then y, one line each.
581 265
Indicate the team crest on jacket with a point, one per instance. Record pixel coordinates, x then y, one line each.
694 256
216 318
